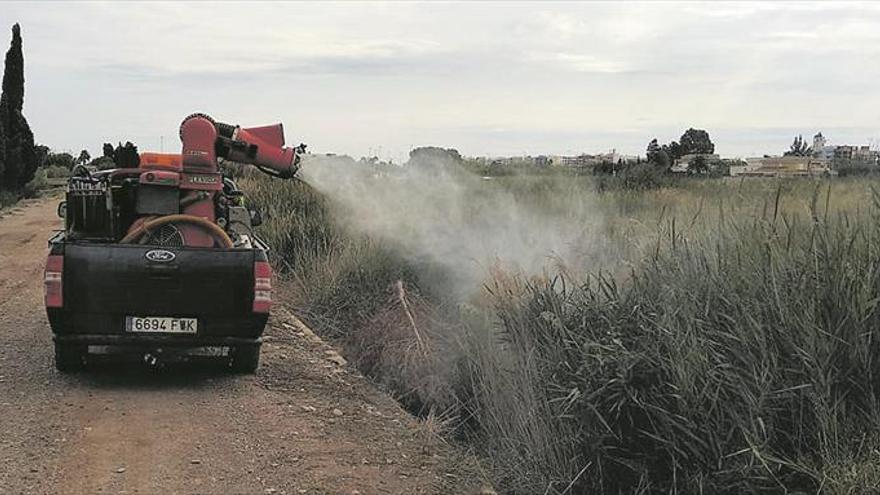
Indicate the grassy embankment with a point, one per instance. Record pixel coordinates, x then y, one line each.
712 337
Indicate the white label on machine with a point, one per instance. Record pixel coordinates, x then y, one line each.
160 324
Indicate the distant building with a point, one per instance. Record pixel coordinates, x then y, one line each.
782 166
518 161
744 166
826 153
865 154
581 160
820 147
543 161
585 160
842 153
611 157
818 143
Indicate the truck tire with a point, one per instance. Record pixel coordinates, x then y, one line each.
245 359
69 357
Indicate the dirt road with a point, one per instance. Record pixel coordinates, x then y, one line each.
302 424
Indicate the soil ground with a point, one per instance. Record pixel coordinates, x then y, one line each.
304 423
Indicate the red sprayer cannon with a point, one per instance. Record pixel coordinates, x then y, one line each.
185 190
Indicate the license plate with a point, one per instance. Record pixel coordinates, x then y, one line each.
160 324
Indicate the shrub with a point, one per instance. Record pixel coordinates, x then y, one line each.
635 176
54 172
856 168
32 189
102 163
59 160
7 198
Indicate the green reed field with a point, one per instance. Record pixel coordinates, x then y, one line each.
709 336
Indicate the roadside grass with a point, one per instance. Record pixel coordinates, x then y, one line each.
716 336
357 290
739 362
7 198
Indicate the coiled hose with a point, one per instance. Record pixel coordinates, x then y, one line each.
216 232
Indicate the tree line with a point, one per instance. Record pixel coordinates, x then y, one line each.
61 164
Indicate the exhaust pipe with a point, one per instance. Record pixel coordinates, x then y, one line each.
151 360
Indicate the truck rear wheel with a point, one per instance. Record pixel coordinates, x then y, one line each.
69 357
245 359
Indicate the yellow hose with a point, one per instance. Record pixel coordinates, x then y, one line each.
219 234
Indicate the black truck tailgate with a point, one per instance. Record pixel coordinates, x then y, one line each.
123 279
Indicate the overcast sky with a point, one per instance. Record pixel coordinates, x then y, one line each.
490 78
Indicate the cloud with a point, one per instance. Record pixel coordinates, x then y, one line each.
547 77
580 62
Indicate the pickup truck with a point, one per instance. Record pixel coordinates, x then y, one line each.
159 257
158 303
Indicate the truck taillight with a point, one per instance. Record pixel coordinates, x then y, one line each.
53 282
262 287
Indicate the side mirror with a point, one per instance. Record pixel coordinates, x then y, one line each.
62 209
256 218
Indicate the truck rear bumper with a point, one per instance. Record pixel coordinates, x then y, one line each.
134 340
98 328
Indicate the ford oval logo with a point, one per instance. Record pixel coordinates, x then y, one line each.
160 256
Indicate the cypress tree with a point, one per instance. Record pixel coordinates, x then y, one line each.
13 76
19 157
3 184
